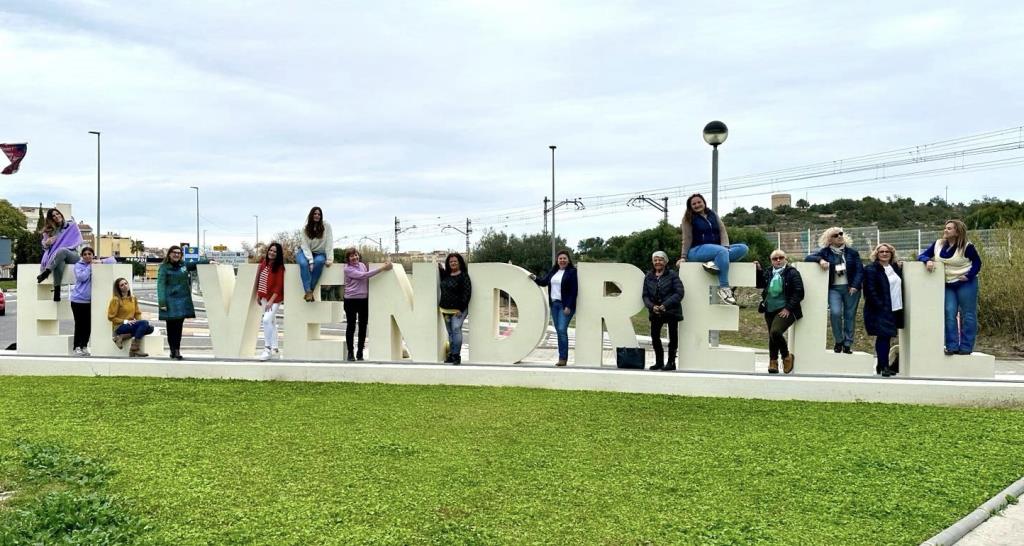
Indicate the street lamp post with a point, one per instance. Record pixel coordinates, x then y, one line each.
553 249
257 216
197 213
715 133
98 232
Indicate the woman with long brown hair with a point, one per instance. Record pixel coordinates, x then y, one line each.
316 250
962 263
61 239
705 239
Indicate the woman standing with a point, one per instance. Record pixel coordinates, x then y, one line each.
783 290
663 296
962 264
61 239
174 296
126 318
705 239
563 285
357 294
81 302
845 276
317 250
270 295
883 303
456 291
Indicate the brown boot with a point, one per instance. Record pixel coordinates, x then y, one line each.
787 363
560 363
773 366
135 350
120 339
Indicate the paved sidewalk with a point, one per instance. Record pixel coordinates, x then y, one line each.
1005 529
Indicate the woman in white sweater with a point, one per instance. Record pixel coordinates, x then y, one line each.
317 250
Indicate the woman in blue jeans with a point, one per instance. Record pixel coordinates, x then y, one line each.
705 239
563 285
961 265
317 251
845 278
456 291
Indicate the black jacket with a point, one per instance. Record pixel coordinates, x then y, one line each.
854 267
879 318
456 290
792 289
666 290
570 285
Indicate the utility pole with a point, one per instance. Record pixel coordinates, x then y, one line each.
469 230
553 250
397 231
639 200
546 201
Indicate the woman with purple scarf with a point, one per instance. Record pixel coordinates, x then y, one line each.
61 239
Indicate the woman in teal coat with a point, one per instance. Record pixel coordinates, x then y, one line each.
174 296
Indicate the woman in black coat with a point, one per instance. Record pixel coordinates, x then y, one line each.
663 296
783 290
883 303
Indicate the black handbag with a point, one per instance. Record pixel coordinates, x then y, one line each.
631 358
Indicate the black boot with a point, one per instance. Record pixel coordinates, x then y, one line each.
659 360
56 293
43 276
671 366
450 358
359 353
456 359
351 354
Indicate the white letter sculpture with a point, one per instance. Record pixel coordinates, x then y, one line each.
231 308
485 341
400 312
302 319
39 316
807 336
596 310
700 316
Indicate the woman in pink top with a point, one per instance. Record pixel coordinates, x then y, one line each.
357 292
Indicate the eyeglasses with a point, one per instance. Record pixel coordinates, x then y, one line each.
778 258
839 234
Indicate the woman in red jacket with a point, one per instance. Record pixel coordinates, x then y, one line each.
270 295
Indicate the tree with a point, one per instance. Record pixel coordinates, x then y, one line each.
531 252
138 247
639 246
802 204
291 242
13 223
28 249
756 240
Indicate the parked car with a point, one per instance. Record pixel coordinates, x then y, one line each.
3 303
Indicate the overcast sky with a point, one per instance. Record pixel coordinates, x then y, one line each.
438 111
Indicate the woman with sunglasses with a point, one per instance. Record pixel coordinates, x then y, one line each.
883 303
845 276
782 291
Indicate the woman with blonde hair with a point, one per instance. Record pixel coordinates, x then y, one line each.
962 263
883 303
845 276
782 291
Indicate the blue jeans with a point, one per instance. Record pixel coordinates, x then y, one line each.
720 255
453 324
962 296
309 279
561 323
140 329
842 309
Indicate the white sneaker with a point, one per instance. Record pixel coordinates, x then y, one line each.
725 294
275 353
265 355
85 351
78 351
710 267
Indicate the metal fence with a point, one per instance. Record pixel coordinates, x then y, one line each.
908 242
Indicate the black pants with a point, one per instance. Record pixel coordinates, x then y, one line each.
174 327
355 312
673 337
83 323
777 327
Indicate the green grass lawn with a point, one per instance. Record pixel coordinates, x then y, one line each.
231 462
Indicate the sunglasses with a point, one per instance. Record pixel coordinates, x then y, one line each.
774 258
840 234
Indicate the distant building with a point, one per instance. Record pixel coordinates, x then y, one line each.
780 199
32 213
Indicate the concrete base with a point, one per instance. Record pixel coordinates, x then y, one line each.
760 386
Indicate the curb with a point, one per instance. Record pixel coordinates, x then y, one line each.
980 515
